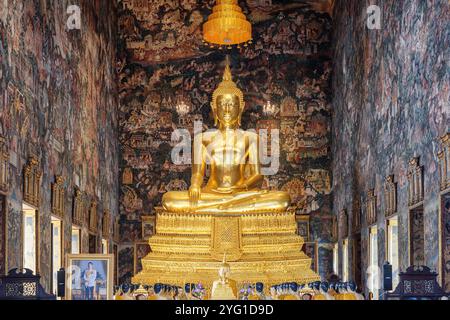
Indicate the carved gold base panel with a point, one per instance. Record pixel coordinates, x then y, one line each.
260 247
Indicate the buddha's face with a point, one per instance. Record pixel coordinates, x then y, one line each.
224 272
228 109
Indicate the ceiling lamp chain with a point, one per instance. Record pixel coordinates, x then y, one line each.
227 25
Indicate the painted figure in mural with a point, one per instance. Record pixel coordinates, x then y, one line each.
233 156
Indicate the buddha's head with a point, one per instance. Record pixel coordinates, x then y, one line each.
228 102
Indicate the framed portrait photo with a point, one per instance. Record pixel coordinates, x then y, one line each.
89 276
148 227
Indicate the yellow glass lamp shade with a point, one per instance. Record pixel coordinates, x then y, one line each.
227 25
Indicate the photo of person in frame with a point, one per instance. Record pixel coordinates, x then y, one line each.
89 277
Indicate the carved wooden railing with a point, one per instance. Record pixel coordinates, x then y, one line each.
22 285
417 283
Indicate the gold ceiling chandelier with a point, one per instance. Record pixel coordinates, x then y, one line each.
227 25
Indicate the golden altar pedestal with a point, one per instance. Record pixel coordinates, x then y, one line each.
259 247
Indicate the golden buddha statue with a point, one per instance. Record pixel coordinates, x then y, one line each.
224 288
230 214
231 153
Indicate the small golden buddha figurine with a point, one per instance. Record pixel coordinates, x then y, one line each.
151 294
224 288
118 295
233 156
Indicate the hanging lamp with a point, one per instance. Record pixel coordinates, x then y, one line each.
227 25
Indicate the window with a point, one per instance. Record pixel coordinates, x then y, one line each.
373 280
32 182
336 259
56 250
104 246
392 249
345 260
29 238
76 240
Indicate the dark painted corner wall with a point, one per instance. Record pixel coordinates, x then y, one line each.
390 104
58 101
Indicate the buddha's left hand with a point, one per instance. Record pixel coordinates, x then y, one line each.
239 188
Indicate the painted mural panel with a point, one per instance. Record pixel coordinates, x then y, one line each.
288 64
126 265
390 100
58 102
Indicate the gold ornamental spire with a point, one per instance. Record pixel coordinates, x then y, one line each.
227 73
227 79
228 86
227 25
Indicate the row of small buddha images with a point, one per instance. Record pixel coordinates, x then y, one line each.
287 291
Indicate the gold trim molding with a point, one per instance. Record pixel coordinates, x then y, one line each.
32 182
189 248
58 197
390 196
78 213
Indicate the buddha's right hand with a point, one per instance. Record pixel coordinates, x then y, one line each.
194 195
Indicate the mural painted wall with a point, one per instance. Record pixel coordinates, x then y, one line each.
391 103
162 63
58 101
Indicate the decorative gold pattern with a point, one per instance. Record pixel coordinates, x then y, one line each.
415 182
32 182
226 238
390 196
58 197
78 214
185 249
371 207
444 162
4 165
